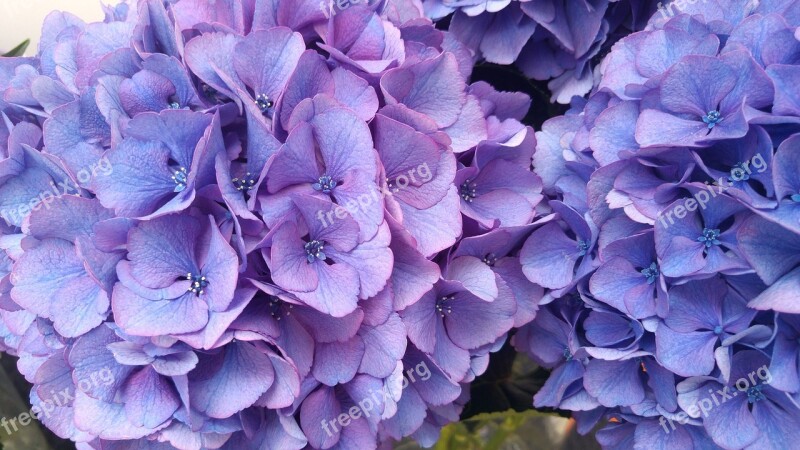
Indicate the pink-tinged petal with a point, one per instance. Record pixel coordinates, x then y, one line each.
142 317
733 411
432 87
470 127
781 295
385 345
686 354
548 257
372 260
337 291
614 383
420 320
337 362
106 420
311 77
345 142
453 360
475 275
162 251
359 194
289 262
412 274
473 322
90 356
150 399
51 281
67 217
230 381
221 265
296 161
286 387
218 322
320 408
435 228
355 93
145 91
211 53
265 60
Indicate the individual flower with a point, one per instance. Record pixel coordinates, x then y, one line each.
701 315
451 320
323 265
179 266
164 159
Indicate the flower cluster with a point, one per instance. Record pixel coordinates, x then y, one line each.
679 183
559 41
257 217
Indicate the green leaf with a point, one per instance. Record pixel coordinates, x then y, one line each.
18 50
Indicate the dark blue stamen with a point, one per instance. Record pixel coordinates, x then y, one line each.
264 103
442 306
567 354
468 191
712 118
325 184
739 173
651 273
245 183
199 283
174 105
754 394
582 247
709 237
278 308
315 250
180 177
490 259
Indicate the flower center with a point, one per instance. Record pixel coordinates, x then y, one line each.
199 283
468 191
490 259
795 198
315 250
739 173
567 354
754 394
442 305
278 308
651 273
174 105
712 118
718 330
325 184
264 103
583 246
709 237
180 178
245 183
